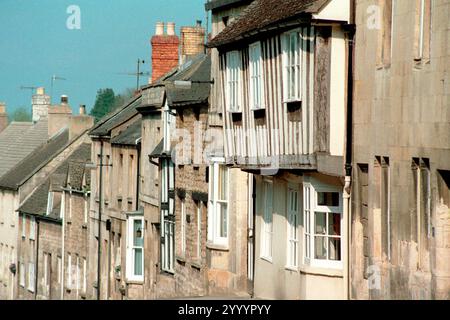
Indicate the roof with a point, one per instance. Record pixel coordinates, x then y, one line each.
15 177
198 70
116 117
130 135
18 140
222 4
36 203
262 14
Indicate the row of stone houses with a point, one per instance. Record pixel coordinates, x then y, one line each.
301 152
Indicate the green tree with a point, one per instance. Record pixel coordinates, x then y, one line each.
21 114
103 103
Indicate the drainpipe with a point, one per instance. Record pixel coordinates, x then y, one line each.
63 260
349 143
138 145
36 269
100 190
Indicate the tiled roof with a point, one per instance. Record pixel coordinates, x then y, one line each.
36 203
15 177
113 119
130 135
264 14
221 4
18 140
199 70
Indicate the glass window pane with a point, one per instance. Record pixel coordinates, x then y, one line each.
334 249
223 183
334 224
321 223
320 246
138 239
223 220
138 262
329 199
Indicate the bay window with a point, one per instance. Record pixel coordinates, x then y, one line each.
233 81
256 77
135 248
292 61
167 215
322 223
218 204
292 215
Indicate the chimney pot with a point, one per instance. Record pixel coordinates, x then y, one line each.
170 28
159 29
82 109
40 91
64 99
199 23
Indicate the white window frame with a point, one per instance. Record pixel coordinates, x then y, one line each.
32 228
22 274
31 277
63 205
267 221
77 275
131 248
86 211
292 63
215 205
233 91
310 208
256 68
293 216
167 216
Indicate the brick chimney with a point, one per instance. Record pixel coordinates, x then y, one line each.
165 50
80 123
40 103
3 117
192 40
59 116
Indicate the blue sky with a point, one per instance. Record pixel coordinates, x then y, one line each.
35 44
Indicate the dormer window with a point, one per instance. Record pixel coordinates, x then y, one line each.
256 77
292 62
233 81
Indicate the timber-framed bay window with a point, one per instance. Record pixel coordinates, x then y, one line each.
218 219
256 77
167 215
322 218
292 66
267 223
135 248
233 81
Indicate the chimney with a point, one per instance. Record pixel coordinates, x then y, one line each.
164 50
80 123
192 40
59 116
39 104
3 117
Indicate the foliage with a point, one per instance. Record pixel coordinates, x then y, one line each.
21 114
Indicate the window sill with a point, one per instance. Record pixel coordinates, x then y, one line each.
269 260
196 264
136 282
321 271
293 269
217 247
234 112
257 109
181 259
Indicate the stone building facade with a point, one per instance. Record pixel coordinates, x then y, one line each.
400 215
